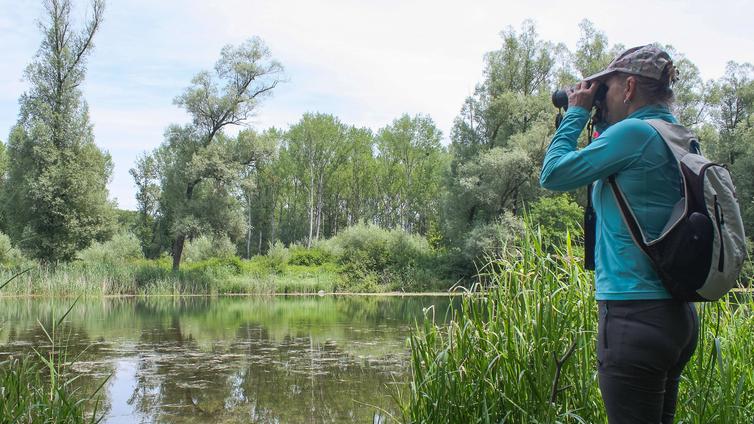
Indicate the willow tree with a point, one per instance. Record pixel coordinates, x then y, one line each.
56 197
201 165
492 169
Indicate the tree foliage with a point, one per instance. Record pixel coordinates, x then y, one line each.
56 193
200 164
499 138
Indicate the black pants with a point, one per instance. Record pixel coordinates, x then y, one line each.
643 346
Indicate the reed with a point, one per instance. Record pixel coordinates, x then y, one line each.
39 388
521 349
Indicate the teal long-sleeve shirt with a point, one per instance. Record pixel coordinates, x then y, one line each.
648 175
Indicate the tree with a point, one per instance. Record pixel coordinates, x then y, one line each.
357 179
3 172
259 190
200 163
735 100
145 175
742 172
693 97
56 197
318 144
557 216
411 166
592 50
499 137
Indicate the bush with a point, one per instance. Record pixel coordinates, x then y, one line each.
277 258
366 245
556 216
314 256
491 240
232 265
205 247
747 272
121 248
371 255
152 272
330 247
10 256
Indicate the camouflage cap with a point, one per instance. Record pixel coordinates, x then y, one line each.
646 61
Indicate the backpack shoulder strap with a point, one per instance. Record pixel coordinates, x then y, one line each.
628 216
681 142
679 139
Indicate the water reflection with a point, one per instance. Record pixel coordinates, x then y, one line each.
259 360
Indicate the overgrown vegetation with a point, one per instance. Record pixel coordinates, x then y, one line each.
522 350
363 258
39 388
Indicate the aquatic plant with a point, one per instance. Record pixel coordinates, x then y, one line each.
38 389
521 349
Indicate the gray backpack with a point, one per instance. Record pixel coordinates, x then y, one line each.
700 252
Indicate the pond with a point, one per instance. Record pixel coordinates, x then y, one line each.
292 359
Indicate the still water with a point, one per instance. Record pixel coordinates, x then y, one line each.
231 359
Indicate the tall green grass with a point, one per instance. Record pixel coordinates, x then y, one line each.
40 389
521 349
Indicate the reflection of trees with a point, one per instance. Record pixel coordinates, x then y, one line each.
311 383
297 359
177 379
257 378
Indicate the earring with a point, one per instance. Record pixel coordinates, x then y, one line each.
626 101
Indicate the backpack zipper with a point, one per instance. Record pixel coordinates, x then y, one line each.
719 220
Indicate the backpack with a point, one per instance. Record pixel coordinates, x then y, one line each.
700 252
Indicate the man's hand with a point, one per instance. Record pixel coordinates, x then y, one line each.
583 94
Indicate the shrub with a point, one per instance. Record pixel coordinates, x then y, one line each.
232 265
366 245
121 248
371 255
277 257
557 216
314 256
10 256
150 273
205 247
491 240
329 246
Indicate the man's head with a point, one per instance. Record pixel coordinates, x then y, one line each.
638 77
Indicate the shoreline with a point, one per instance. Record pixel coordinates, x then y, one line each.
740 290
297 294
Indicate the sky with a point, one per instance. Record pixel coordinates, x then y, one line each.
366 62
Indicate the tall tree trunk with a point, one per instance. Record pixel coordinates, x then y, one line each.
180 239
273 230
178 251
248 230
311 209
292 216
320 189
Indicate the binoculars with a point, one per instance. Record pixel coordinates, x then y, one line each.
560 97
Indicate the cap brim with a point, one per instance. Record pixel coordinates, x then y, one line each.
599 75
